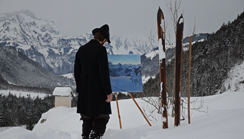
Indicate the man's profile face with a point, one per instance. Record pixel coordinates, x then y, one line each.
103 42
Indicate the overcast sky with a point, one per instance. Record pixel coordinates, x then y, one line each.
125 17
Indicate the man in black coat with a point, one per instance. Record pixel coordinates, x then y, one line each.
93 84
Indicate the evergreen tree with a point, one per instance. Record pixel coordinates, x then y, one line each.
29 108
29 125
2 120
15 111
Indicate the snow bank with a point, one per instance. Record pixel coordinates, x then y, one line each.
14 133
61 118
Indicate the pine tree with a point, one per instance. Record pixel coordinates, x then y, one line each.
29 125
2 120
29 104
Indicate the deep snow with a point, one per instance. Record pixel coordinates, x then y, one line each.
223 118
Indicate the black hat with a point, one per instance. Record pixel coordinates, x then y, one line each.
104 30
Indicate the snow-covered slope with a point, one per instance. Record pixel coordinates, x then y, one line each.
18 72
235 82
222 120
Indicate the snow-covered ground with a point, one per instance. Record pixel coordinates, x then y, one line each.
223 118
235 82
23 93
69 75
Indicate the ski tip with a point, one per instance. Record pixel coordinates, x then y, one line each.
160 14
181 20
181 16
159 10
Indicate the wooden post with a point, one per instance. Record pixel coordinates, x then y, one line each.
118 110
140 109
189 74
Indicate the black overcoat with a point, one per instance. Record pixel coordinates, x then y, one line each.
92 79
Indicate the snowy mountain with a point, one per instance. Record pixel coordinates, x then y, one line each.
150 61
18 72
129 75
131 44
123 69
195 38
40 40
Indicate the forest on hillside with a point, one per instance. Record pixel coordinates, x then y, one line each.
211 59
19 110
15 111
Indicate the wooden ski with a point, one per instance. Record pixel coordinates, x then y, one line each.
178 65
162 65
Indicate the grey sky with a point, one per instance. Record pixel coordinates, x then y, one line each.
76 17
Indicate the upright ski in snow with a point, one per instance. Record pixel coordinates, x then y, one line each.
162 65
178 65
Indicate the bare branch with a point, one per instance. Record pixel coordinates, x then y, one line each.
153 104
194 29
174 10
150 39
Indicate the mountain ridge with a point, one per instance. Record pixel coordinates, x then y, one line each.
18 71
40 40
